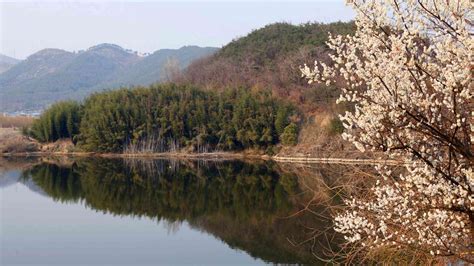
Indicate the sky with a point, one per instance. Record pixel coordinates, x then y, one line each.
146 26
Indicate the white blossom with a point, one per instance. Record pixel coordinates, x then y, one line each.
409 71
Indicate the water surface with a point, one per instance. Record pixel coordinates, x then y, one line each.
154 212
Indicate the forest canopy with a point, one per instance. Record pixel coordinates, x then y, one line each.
168 117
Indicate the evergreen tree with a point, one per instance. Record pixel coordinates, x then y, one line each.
164 117
290 135
61 120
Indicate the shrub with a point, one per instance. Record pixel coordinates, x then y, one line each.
335 126
289 136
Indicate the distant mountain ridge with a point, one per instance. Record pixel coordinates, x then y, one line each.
54 74
7 62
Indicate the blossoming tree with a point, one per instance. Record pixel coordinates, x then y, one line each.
408 70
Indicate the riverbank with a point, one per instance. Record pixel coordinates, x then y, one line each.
177 155
14 144
210 156
335 160
12 141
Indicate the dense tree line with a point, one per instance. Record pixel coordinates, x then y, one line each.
61 120
168 117
266 44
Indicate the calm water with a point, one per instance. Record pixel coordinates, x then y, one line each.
153 212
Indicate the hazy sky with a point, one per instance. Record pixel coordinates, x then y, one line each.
26 27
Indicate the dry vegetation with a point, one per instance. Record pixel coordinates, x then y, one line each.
11 138
324 186
15 121
269 59
12 141
318 138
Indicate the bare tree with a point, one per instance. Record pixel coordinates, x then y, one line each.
170 71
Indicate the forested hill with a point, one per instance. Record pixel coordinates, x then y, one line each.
270 57
53 74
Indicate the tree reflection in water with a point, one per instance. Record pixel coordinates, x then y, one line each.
247 205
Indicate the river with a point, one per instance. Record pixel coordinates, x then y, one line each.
95 211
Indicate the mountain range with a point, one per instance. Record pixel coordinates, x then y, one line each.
7 62
54 74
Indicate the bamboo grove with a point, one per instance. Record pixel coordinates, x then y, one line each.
169 117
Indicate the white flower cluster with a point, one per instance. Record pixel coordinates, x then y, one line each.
418 209
409 71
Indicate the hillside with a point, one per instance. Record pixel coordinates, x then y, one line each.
53 74
7 62
159 66
269 59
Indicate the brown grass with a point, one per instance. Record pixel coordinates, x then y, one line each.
316 140
12 141
15 121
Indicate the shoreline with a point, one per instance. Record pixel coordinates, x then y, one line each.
177 155
211 156
333 160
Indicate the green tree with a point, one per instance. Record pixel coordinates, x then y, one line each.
281 120
61 120
335 126
290 135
